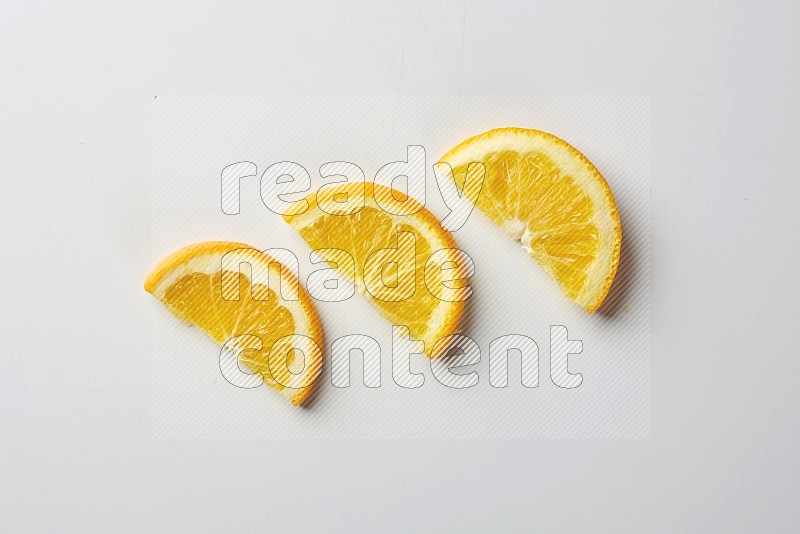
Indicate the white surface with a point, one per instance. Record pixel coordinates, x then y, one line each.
78 80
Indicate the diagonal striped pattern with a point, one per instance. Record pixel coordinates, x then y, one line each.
195 138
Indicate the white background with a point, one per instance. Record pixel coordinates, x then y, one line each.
78 80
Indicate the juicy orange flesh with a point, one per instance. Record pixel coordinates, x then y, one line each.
361 234
197 298
528 192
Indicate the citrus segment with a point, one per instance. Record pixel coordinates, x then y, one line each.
363 231
201 288
547 195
